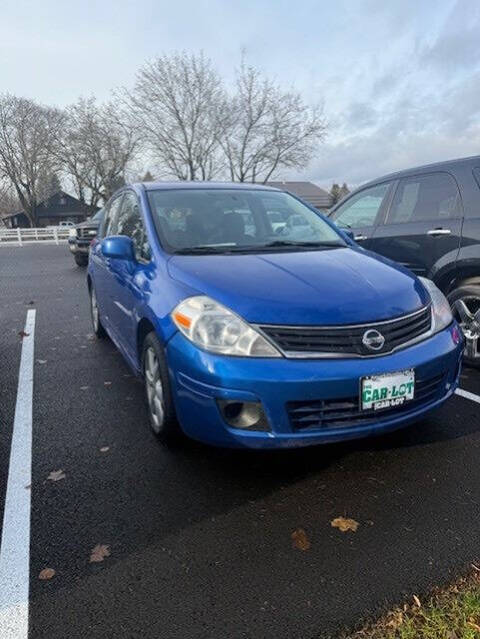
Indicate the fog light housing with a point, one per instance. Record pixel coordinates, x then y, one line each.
243 415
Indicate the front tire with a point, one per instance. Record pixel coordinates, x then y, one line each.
161 410
95 315
80 260
465 303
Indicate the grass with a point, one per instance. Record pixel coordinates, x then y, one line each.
449 613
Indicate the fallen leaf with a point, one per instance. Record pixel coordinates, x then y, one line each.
46 573
22 334
107 383
31 302
300 539
56 475
84 387
99 553
417 601
104 449
344 524
41 361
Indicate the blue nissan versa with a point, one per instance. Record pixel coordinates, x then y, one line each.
252 332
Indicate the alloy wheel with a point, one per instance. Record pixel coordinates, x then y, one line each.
467 312
154 388
94 307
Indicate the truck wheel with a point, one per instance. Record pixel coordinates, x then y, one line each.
465 303
81 260
161 410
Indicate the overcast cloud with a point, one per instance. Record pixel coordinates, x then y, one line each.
400 80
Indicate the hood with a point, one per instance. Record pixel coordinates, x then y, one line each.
330 287
88 224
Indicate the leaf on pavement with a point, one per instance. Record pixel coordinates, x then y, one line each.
41 361
107 383
56 475
46 573
345 524
417 601
22 334
84 387
99 553
104 449
300 539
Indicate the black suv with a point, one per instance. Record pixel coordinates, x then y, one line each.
427 219
81 237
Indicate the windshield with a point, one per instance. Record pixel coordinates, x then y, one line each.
230 220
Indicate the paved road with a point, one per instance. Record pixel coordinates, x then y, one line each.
200 539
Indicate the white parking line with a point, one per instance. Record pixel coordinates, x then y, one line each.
15 546
468 395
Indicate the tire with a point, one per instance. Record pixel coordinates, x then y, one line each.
158 392
465 303
95 315
80 260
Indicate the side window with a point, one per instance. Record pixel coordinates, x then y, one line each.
361 210
425 197
111 217
130 223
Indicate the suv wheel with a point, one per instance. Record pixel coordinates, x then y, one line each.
465 303
81 260
161 410
95 313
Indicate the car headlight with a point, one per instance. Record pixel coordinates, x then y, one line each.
441 311
215 328
72 232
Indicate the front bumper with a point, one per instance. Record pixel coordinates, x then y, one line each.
199 379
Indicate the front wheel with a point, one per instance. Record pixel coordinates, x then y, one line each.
80 260
465 303
95 314
161 410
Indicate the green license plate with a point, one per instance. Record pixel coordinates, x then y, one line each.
387 390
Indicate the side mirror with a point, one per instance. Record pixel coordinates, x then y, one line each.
119 247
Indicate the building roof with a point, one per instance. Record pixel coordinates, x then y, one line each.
308 191
58 205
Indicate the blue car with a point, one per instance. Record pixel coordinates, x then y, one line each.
251 336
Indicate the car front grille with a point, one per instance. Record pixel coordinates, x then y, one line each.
327 414
344 341
86 232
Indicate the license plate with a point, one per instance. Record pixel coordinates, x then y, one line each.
387 390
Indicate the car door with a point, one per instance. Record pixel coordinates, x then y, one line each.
422 227
101 265
362 210
130 281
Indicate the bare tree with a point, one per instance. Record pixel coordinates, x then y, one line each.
9 202
179 104
271 128
96 149
28 132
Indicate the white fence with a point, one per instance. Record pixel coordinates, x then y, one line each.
19 237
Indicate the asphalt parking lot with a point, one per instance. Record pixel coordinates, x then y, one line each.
200 539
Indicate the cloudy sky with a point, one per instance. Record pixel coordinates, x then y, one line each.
399 79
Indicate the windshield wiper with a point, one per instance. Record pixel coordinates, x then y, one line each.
203 249
301 244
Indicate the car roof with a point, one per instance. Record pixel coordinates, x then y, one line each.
155 186
425 168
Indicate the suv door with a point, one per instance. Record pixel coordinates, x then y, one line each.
101 265
361 212
422 227
130 281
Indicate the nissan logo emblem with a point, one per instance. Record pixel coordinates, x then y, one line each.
373 340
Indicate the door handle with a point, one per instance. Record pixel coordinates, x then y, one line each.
435 232
359 238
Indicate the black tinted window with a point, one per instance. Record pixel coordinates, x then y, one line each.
425 197
130 223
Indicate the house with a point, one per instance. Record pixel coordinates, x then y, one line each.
58 208
311 193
